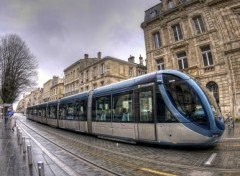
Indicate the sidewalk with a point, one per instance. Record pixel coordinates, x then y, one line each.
14 162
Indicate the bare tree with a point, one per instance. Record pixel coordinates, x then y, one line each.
17 68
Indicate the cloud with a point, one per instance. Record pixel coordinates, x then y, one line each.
59 32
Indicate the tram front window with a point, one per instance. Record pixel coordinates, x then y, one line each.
185 99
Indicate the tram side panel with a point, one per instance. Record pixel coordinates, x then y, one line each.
72 114
112 115
126 114
174 133
42 115
123 115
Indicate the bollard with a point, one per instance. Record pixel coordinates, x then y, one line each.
24 145
29 152
41 168
20 138
17 131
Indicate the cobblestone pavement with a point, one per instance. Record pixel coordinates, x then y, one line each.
88 155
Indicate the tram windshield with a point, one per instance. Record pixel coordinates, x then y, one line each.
185 99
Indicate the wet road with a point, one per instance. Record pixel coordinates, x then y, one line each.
79 154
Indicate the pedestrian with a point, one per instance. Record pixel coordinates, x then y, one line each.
227 120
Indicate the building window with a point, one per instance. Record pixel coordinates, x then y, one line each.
87 87
157 40
199 25
182 60
102 69
95 72
87 75
102 83
130 71
94 86
207 56
160 64
184 1
153 14
213 88
170 4
139 72
177 32
81 78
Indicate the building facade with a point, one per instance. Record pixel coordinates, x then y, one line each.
53 89
72 74
200 38
109 70
46 90
90 73
57 88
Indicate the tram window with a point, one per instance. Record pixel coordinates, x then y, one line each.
163 114
81 110
62 112
102 109
185 99
39 113
48 112
44 113
146 105
70 111
53 110
122 107
35 112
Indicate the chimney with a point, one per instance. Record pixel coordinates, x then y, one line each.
85 56
141 60
99 55
131 59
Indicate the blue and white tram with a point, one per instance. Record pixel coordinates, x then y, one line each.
165 107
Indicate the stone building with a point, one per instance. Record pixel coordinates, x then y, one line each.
46 90
53 89
200 38
57 88
24 103
109 70
90 73
72 73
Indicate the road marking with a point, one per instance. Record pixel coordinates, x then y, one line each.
156 172
230 139
210 159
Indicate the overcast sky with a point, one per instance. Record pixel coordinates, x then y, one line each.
59 32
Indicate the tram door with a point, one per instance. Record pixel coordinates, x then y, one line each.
144 112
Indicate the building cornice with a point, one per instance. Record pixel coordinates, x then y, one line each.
114 59
165 13
214 2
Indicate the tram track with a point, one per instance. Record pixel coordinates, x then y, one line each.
120 163
107 158
68 151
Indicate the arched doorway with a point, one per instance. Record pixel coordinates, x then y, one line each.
213 88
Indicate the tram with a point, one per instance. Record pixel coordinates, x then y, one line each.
165 107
